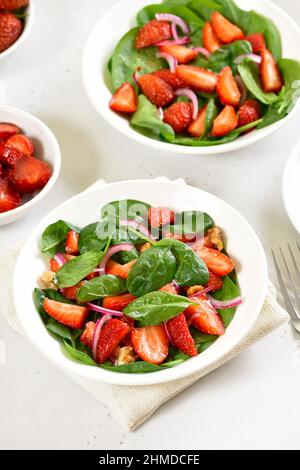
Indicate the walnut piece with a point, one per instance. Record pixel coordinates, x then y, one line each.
216 237
194 290
125 356
46 280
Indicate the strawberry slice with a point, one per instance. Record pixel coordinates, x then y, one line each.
72 242
121 270
13 4
257 42
1 169
30 174
8 130
71 292
204 317
197 78
182 54
179 116
270 74
217 262
225 122
111 335
9 155
227 88
249 112
88 334
124 100
169 288
197 128
209 39
151 343
225 31
215 282
159 216
170 78
21 143
153 32
9 197
118 302
70 315
157 90
180 335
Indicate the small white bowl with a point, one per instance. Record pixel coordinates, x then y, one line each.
25 33
47 149
291 187
243 245
106 35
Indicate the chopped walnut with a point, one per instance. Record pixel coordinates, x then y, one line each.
46 280
125 356
216 238
145 247
194 290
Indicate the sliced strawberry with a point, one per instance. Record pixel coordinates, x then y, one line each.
21 143
88 334
197 127
54 266
257 42
128 320
179 116
1 169
270 74
225 31
71 292
124 100
121 270
11 29
201 242
111 335
169 288
197 78
70 315
215 282
118 302
30 174
170 78
158 216
157 90
9 155
225 122
249 112
8 130
227 88
151 343
153 32
182 54
209 39
72 242
217 262
13 4
9 197
92 275
204 317
180 335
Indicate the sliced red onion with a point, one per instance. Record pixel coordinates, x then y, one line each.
192 96
195 315
175 20
135 77
222 305
99 325
137 226
103 310
243 89
170 59
176 286
174 42
161 113
110 252
166 330
256 58
202 50
60 259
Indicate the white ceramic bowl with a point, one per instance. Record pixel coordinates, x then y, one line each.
291 188
243 245
25 33
109 30
47 149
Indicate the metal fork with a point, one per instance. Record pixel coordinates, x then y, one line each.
287 262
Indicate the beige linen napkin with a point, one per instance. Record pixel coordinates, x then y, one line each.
132 406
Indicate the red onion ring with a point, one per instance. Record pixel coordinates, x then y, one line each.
175 20
202 50
223 305
99 325
170 59
166 330
60 259
103 310
174 42
112 251
256 58
161 113
192 96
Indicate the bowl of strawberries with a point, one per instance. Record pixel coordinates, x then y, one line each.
16 18
30 162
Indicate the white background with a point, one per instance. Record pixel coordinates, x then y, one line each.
251 402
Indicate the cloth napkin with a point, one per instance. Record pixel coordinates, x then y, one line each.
133 405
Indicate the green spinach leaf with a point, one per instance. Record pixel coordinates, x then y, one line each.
100 287
229 291
124 60
125 209
147 117
191 222
89 240
53 236
78 268
80 356
226 55
139 367
248 70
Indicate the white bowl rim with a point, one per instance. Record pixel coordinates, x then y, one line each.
286 186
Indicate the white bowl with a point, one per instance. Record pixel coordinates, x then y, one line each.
27 28
291 188
243 245
47 149
109 30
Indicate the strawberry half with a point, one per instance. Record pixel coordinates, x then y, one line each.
215 282
197 128
217 262
204 317
13 4
118 302
72 242
9 155
270 74
21 143
111 335
71 292
180 335
225 31
8 130
124 100
225 122
30 174
151 343
249 112
70 315
10 30
182 54
179 116
159 216
121 270
88 334
209 39
197 78
9 197
169 288
227 88
157 90
152 33
257 42
170 78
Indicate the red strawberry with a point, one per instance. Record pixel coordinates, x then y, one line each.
182 54
197 127
13 4
111 335
197 78
72 242
209 39
71 315
159 216
30 174
21 143
88 334
257 42
118 302
180 335
157 90
216 261
215 282
8 130
170 78
204 317
249 112
54 266
225 122
169 288
152 33
121 270
1 170
151 343
71 292
225 31
9 198
124 99
179 116
10 30
9 155
270 74
227 88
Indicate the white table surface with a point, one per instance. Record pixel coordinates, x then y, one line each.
250 402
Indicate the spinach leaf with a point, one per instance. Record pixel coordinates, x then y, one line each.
59 329
207 344
257 23
124 60
138 367
78 268
191 222
155 268
100 287
156 307
226 55
125 209
148 62
229 291
147 117
53 236
129 234
211 114
89 240
204 8
248 70
80 356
